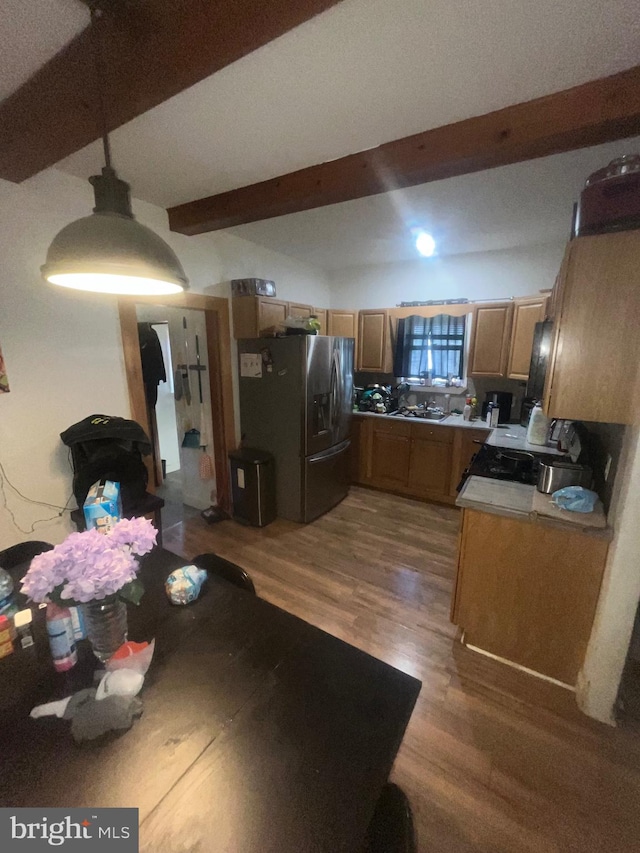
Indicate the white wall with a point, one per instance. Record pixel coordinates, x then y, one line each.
600 676
485 275
63 348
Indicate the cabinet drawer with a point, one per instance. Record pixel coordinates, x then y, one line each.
393 427
426 431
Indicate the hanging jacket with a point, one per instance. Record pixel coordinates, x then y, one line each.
153 369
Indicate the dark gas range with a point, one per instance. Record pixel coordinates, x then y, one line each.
499 463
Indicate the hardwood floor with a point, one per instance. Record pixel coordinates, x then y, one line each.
493 760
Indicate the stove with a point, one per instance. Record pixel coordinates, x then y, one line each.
499 463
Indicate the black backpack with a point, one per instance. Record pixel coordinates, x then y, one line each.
104 447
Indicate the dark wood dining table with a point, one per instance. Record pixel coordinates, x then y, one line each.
260 733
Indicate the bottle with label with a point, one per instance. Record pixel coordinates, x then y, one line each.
61 639
466 412
493 414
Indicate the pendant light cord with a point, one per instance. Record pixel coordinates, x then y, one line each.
98 62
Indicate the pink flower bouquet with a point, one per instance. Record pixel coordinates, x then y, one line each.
91 566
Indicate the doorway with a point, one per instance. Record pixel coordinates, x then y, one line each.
200 368
175 367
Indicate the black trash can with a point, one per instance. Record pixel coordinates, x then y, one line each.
253 483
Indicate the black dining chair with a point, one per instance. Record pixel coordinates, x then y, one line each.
391 827
23 552
228 571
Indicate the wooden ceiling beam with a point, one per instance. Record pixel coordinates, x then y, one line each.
600 111
153 50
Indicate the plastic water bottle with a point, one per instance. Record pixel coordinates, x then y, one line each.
61 640
7 604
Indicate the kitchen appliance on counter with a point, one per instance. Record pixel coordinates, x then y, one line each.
558 473
296 397
610 200
504 401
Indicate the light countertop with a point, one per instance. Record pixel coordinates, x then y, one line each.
514 437
511 436
501 497
450 420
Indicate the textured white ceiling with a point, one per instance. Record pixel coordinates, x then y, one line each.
31 32
363 73
518 205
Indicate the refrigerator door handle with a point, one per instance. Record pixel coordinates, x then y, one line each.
336 450
336 395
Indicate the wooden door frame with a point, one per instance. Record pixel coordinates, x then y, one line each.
216 310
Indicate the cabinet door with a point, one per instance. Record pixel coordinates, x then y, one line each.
430 467
596 342
372 341
389 455
296 309
271 313
490 339
321 314
341 324
526 313
527 591
466 443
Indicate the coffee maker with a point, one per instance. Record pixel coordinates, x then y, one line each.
504 400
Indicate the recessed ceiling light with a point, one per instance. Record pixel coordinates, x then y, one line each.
425 244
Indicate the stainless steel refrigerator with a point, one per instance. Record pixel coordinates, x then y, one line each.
295 402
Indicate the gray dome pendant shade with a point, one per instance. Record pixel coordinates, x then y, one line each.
109 252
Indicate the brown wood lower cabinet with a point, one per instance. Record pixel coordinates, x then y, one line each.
527 591
423 460
466 443
430 464
390 454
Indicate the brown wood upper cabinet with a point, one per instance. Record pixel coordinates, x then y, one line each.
374 350
490 337
253 315
341 324
526 313
321 314
296 309
595 356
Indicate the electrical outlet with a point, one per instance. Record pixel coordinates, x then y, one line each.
607 468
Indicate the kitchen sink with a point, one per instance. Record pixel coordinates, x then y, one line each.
420 415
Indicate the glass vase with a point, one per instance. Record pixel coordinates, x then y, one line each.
106 624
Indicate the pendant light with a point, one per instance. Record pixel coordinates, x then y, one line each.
108 251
